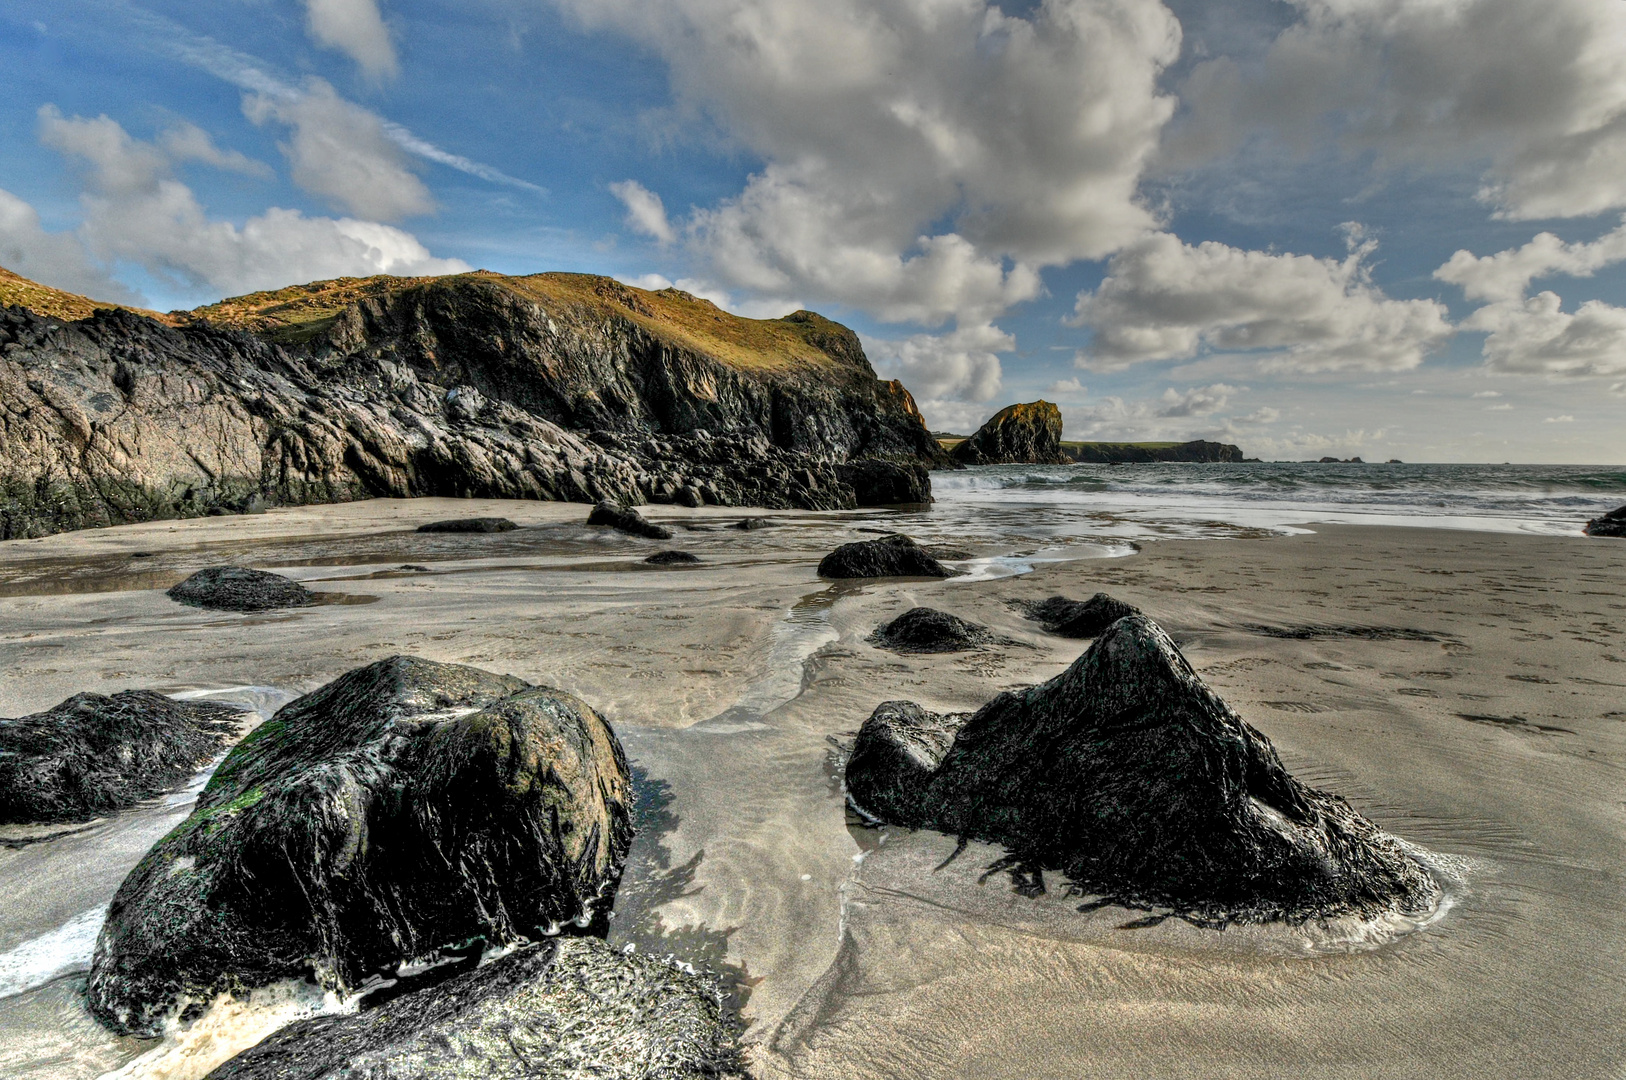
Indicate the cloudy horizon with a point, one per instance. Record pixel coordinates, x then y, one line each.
1391 228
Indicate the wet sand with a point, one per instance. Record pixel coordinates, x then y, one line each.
1465 690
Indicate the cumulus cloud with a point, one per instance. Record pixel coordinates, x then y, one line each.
55 259
962 365
922 161
1537 91
1067 388
1167 300
342 153
645 211
355 28
1197 401
1507 274
188 142
1537 337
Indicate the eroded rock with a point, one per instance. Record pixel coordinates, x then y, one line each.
237 588
893 555
1079 618
470 525
927 630
628 520
1610 524
1028 433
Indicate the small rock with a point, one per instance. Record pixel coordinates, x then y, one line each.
237 588
893 555
1079 618
469 525
672 558
689 496
751 524
1611 524
927 630
627 520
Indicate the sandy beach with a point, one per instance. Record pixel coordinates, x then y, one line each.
1463 689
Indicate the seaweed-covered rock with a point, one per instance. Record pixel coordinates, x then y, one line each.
927 630
406 807
565 1009
1131 777
92 754
886 483
1028 434
1079 618
470 525
628 520
237 588
893 555
1611 524
672 558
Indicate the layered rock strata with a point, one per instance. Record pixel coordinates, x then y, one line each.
1017 434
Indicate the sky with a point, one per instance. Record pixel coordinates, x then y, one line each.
1387 228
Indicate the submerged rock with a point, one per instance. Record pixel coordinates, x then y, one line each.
1079 618
672 558
470 525
893 555
237 588
408 806
1610 524
1027 434
627 520
565 1009
1131 777
751 524
927 630
886 483
93 754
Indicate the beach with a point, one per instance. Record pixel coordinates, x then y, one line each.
1462 688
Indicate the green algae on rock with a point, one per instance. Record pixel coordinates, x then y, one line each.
1024 434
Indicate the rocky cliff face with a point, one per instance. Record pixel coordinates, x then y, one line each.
1108 453
1027 434
556 386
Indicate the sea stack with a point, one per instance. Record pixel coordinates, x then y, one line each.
1026 434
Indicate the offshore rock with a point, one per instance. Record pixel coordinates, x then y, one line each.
470 525
886 483
1028 434
1132 778
672 558
1611 524
893 555
237 588
927 630
628 520
566 1009
406 807
93 754
1079 618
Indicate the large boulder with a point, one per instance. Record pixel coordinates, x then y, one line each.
627 520
1132 778
469 525
237 588
406 807
92 754
893 555
1027 434
927 630
886 483
1079 618
1610 524
564 1009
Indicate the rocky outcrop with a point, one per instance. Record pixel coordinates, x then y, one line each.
626 519
751 524
1133 779
569 1009
237 588
93 754
893 555
406 807
927 630
1610 524
1078 618
886 483
1107 453
470 525
1016 435
472 385
672 558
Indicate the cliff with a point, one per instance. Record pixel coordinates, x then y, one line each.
1106 453
553 386
1018 434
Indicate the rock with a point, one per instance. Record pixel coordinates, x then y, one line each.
1079 618
406 807
672 558
1611 524
627 520
1133 779
886 483
470 525
566 1008
1110 453
751 524
689 496
1027 434
927 630
237 588
893 555
94 754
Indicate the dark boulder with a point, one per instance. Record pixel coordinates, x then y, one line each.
1132 778
1611 524
893 555
672 558
1028 434
566 1009
886 483
627 520
751 524
406 807
237 588
927 630
470 525
1079 618
92 754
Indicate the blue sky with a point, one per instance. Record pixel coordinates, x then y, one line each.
1390 228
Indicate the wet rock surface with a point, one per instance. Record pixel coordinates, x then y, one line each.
886 483
237 588
672 558
94 754
1069 618
1136 782
751 524
1025 434
571 1009
893 555
406 807
470 525
1610 524
927 630
627 520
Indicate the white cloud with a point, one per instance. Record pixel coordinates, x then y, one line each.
1264 414
1532 94
922 160
1536 336
1507 274
1499 408
1166 300
1067 388
645 212
1197 401
958 366
55 259
342 153
1487 394
1565 419
356 28
188 142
